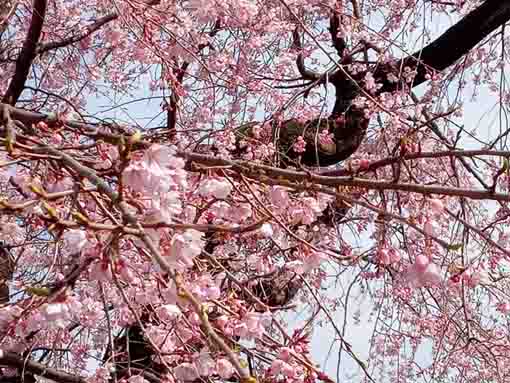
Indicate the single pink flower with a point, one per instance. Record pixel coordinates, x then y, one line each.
394 255
225 368
277 366
423 273
503 308
168 312
100 271
279 197
75 240
205 364
215 188
422 261
186 372
383 257
289 371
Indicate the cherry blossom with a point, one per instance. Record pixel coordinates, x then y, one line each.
186 372
225 368
423 272
299 145
75 240
216 188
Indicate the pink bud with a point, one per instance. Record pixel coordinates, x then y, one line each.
422 261
430 228
285 353
364 163
504 308
277 366
394 256
436 205
383 257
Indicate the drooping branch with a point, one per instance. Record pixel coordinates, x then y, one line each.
291 178
452 45
28 53
300 61
14 360
74 38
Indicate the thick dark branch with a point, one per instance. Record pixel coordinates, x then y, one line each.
28 53
171 119
451 45
77 37
338 42
300 61
14 360
7 264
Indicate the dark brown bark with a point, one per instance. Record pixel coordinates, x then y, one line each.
14 360
28 53
300 61
338 42
7 263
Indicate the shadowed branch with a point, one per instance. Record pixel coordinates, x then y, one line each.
14 360
452 45
28 53
300 61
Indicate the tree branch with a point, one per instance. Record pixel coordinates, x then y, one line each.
338 42
28 53
42 48
12 359
291 178
451 45
171 119
300 61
